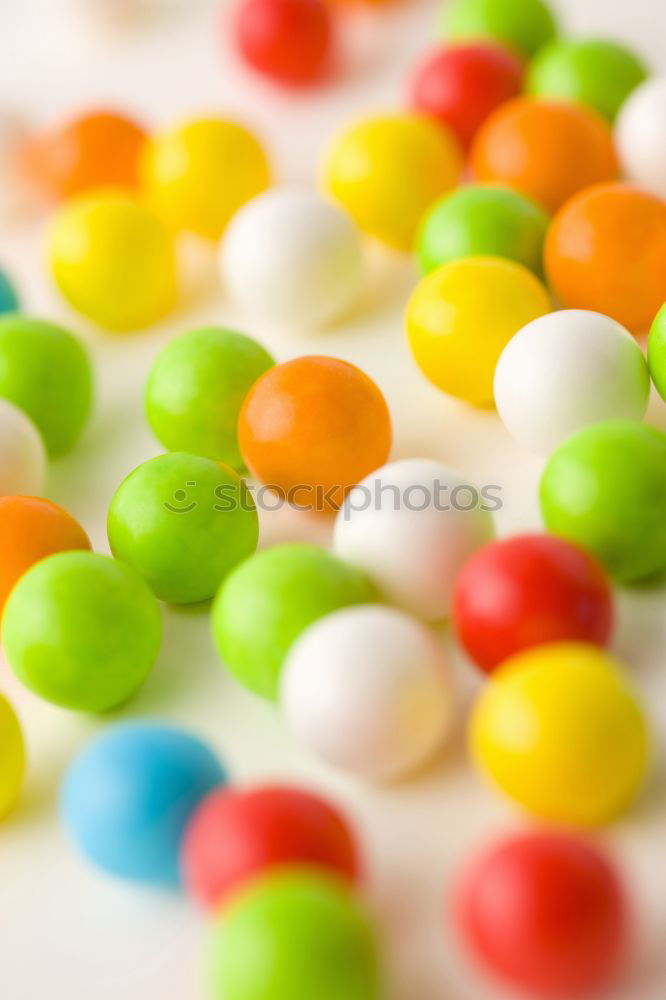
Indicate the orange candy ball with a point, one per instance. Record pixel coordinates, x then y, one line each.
545 149
312 428
606 251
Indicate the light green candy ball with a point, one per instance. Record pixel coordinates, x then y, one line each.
270 599
183 522
657 352
46 372
524 25
196 389
293 935
81 631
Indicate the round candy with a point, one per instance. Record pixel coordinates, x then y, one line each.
523 25
483 220
182 522
127 798
368 690
45 371
22 453
566 370
604 489
291 257
640 136
267 602
547 150
527 591
311 428
546 912
81 631
235 836
387 171
606 250
559 730
460 86
461 317
31 529
410 526
196 388
595 72
8 297
199 174
12 757
291 42
113 261
657 352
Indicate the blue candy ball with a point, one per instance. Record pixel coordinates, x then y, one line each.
8 298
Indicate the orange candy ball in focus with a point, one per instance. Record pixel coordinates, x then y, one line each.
312 428
606 251
545 149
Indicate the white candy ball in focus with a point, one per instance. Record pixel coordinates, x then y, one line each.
368 690
22 454
640 135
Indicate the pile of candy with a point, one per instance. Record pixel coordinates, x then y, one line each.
530 170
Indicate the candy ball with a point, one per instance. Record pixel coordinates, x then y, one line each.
640 136
12 757
483 220
296 934
604 489
368 690
199 174
546 912
126 799
547 150
527 591
461 317
560 731
196 388
22 453
566 370
598 73
182 522
387 171
460 86
45 371
311 428
606 250
113 261
81 631
8 297
410 526
291 257
657 352
31 529
235 836
291 42
267 602
523 25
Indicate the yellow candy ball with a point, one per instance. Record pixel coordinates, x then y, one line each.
461 317
559 730
12 757
387 171
198 175
113 260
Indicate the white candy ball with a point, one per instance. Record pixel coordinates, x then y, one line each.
293 258
640 135
368 690
22 453
566 370
406 525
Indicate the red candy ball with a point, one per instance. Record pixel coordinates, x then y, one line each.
233 836
546 913
526 591
462 85
290 41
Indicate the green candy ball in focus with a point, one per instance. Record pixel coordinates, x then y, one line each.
657 352
523 25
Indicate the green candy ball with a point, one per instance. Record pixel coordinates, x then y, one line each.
600 74
182 522
657 352
604 488
293 935
483 220
525 25
81 631
270 599
45 371
197 387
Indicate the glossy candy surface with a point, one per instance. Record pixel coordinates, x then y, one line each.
640 136
9 301
292 42
12 757
657 351
523 25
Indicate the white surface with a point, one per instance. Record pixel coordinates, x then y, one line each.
22 453
641 137
66 932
